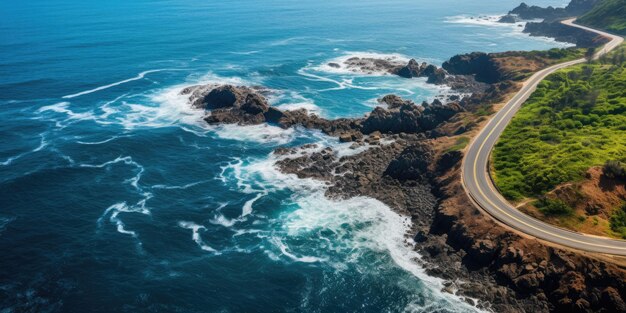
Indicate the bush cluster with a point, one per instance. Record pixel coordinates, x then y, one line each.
553 207
575 119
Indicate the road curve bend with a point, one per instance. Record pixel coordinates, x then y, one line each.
478 184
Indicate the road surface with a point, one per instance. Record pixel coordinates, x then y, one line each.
479 187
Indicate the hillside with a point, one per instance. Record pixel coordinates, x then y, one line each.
570 126
607 14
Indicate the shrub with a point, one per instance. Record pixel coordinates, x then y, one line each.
553 207
614 169
618 221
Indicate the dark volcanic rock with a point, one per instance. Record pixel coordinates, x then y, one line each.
404 119
412 69
434 74
448 160
254 104
479 64
411 164
223 96
404 116
229 104
393 101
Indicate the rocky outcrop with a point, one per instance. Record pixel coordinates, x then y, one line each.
228 104
574 8
479 64
561 32
434 74
406 117
412 69
509 18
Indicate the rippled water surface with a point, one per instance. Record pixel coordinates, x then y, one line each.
116 197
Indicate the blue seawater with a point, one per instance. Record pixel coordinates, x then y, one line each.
116 197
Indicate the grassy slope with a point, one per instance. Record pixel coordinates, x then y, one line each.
574 120
609 15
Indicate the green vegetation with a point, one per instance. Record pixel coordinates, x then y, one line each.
618 221
519 65
607 14
553 207
575 119
460 144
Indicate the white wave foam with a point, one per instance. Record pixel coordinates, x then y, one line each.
161 108
247 207
122 207
224 221
340 233
183 187
171 108
310 106
491 21
255 133
63 107
246 52
343 69
286 251
292 100
345 233
138 77
403 87
483 20
195 228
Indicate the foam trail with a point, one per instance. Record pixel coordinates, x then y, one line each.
99 142
42 144
183 187
224 221
195 228
123 207
247 207
133 181
138 77
285 251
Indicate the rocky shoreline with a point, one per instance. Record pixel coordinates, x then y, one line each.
411 164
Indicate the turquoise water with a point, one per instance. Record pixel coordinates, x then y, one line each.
115 197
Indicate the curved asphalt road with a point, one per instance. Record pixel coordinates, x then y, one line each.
479 187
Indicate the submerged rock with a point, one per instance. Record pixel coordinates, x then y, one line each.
509 18
371 65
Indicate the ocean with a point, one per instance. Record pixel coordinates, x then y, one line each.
115 196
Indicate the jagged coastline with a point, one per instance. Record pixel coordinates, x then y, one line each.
413 162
